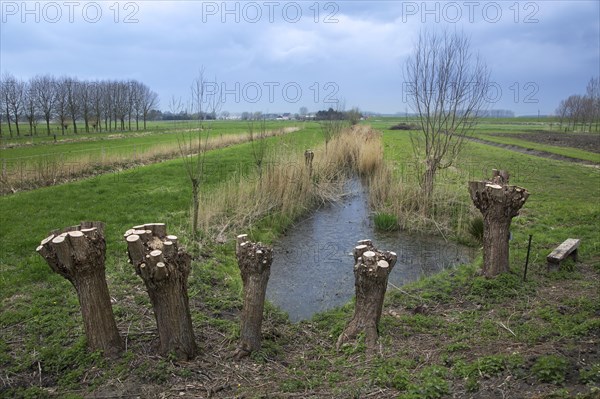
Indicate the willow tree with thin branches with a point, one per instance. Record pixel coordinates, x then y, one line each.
206 100
257 134
447 90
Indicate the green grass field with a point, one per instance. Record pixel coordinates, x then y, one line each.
37 161
156 129
475 335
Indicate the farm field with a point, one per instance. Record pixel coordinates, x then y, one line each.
455 334
531 134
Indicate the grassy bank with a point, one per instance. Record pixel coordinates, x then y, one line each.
285 187
455 334
39 164
153 128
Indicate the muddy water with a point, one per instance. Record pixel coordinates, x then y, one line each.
312 266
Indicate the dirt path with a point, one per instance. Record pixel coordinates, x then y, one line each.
537 153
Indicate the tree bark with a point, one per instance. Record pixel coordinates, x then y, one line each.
498 203
78 253
371 271
254 261
164 268
427 184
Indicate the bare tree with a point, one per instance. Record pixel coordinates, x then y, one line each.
257 135
62 103
149 100
593 94
45 92
131 99
447 90
136 102
575 107
206 99
121 103
71 86
4 96
561 112
108 90
31 110
96 91
13 89
84 96
175 107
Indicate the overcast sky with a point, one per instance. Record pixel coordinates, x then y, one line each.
278 56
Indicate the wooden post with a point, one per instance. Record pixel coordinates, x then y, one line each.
371 271
309 155
78 253
164 267
254 261
498 203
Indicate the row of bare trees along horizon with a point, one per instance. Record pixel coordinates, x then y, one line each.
581 112
102 105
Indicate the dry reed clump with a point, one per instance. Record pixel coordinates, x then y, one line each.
359 149
394 189
39 171
288 187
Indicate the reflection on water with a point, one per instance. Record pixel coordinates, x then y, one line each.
312 265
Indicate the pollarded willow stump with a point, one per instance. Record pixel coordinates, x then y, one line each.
254 261
371 271
164 268
78 253
498 203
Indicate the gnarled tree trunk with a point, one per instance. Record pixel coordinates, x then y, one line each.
78 253
254 261
371 271
165 268
499 203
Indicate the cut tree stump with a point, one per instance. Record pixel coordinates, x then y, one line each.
164 267
254 261
371 271
78 253
498 203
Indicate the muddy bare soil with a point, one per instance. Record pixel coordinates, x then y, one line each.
582 141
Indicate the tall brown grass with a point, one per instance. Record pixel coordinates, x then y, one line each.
394 189
287 187
39 171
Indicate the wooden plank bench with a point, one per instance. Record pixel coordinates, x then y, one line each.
567 249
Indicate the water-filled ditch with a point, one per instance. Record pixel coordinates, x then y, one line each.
312 266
